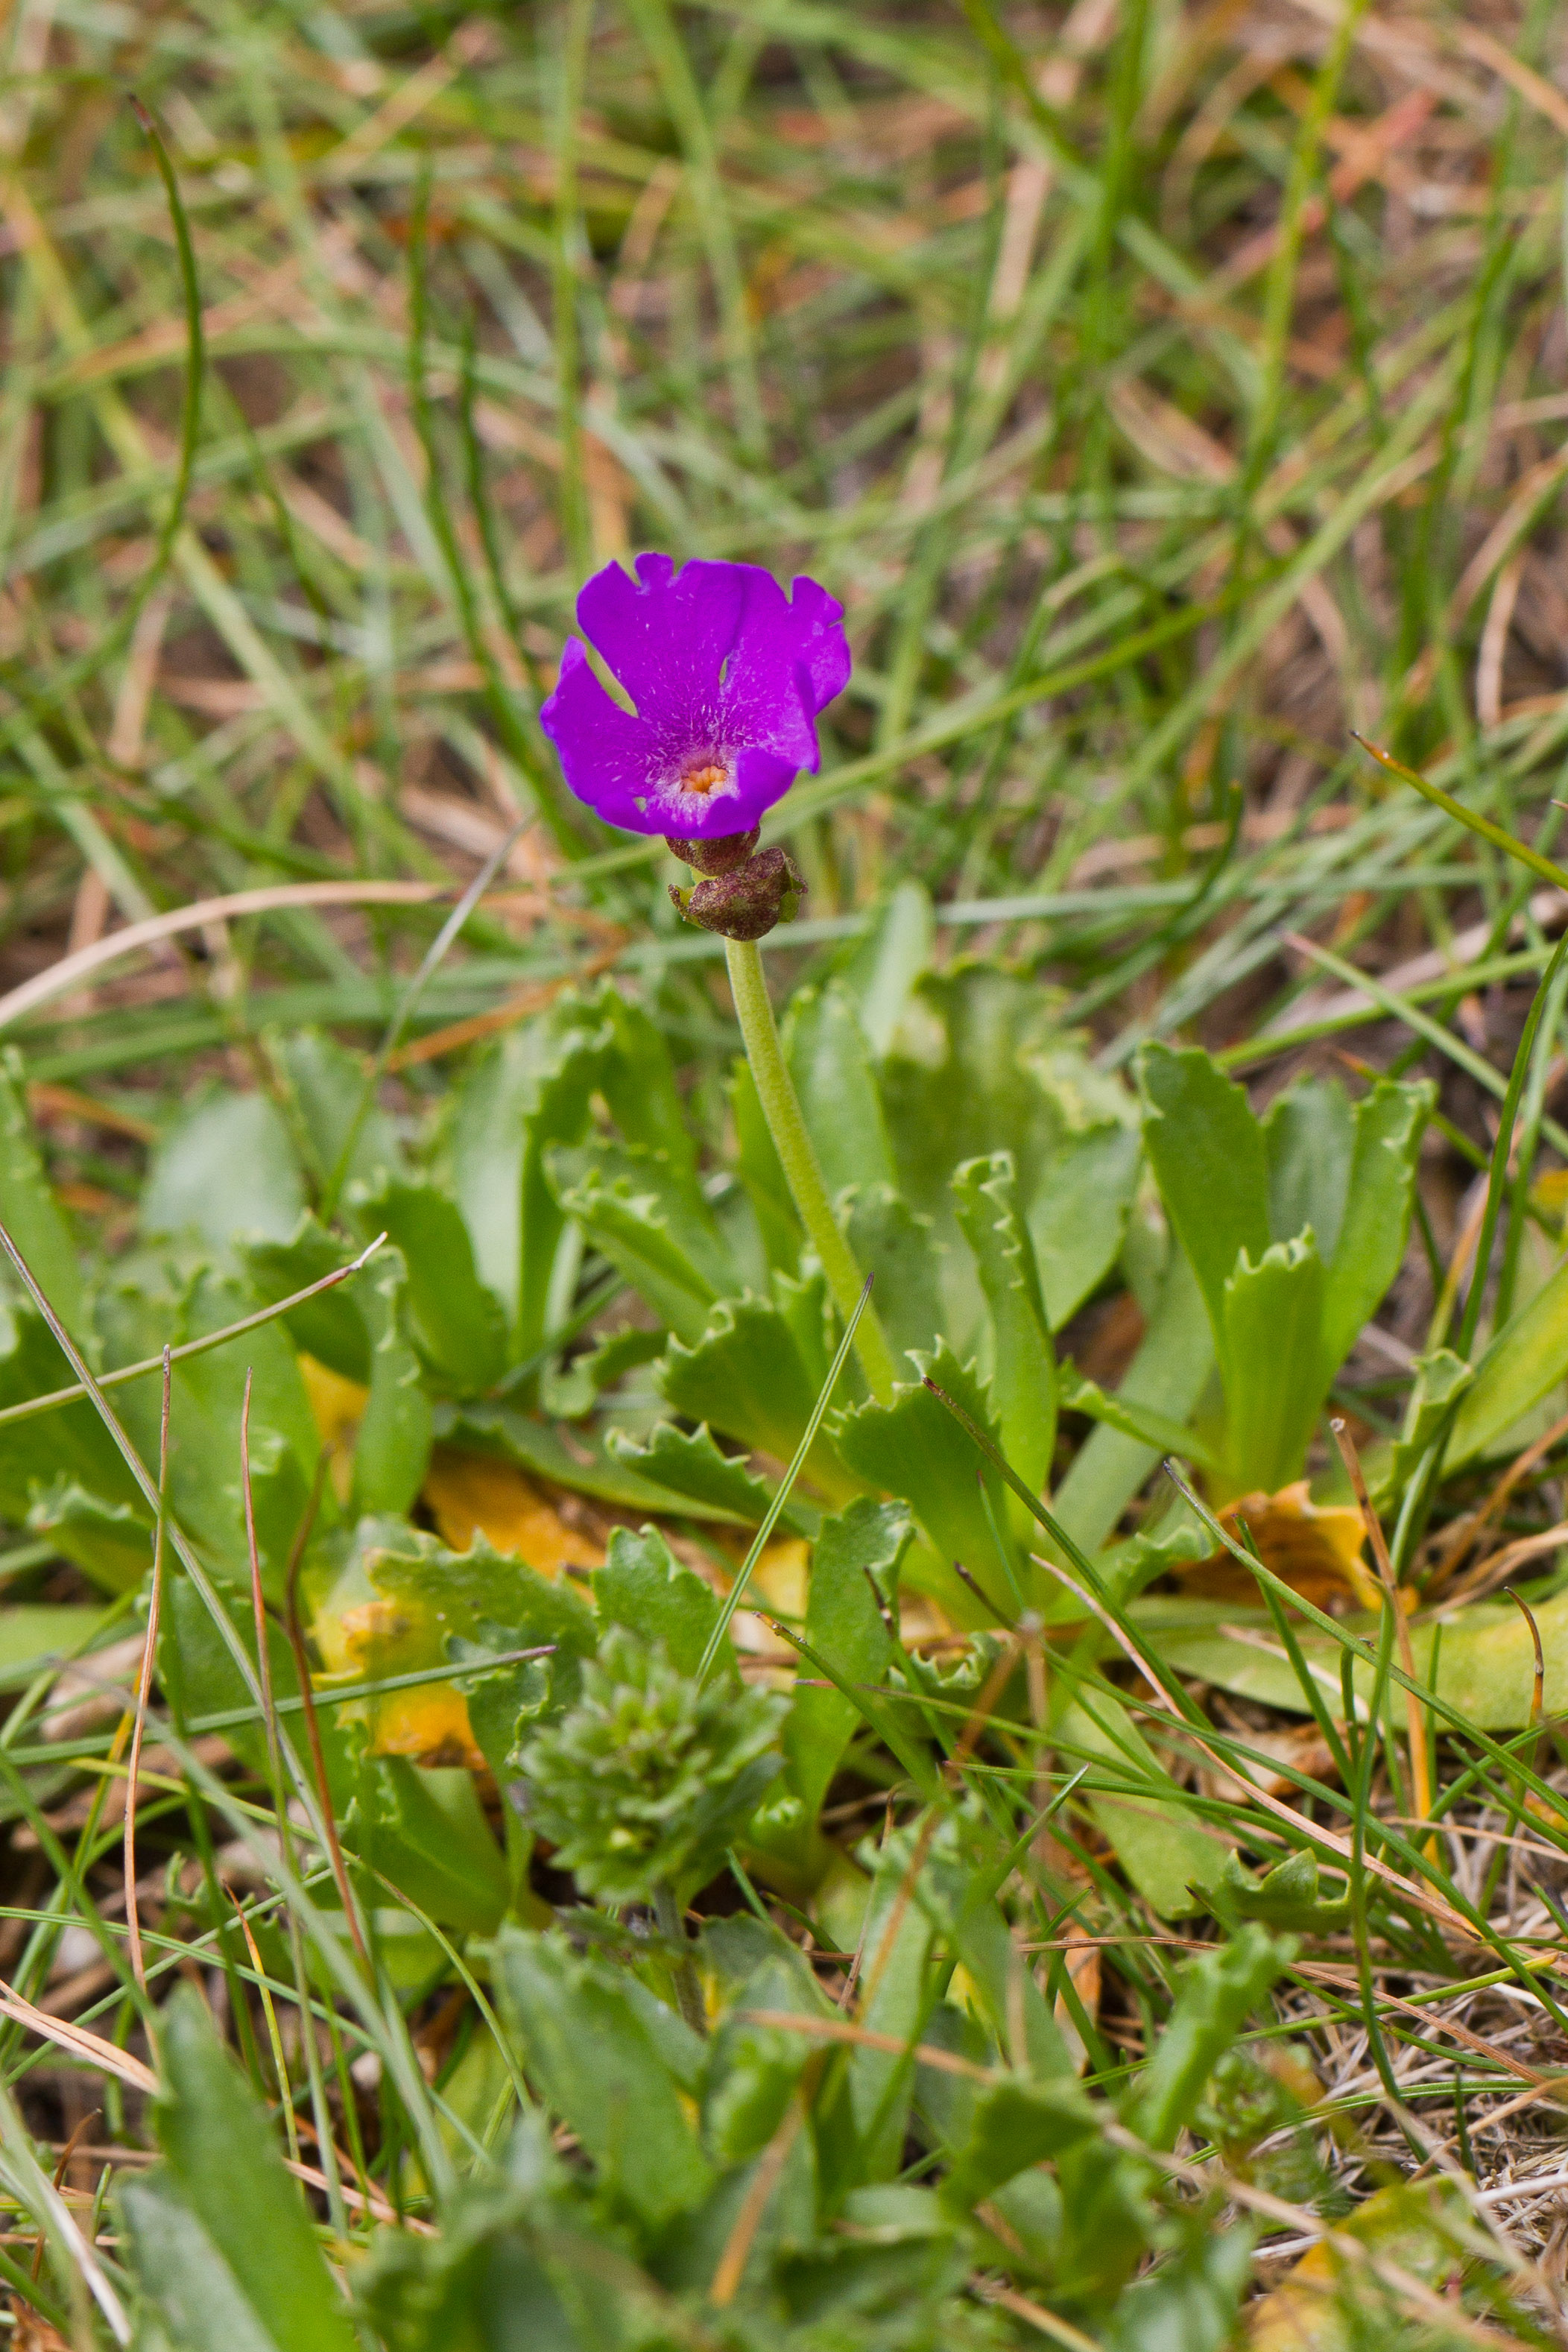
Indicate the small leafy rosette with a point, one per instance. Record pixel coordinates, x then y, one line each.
652 1775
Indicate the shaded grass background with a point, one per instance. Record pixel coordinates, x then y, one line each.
1165 392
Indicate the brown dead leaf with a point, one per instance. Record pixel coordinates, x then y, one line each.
471 1494
31 2333
1316 1547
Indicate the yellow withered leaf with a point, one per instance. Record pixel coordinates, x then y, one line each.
1315 1547
471 1494
338 1406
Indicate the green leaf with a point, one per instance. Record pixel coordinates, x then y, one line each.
1206 1150
31 1215
225 2168
1078 1213
744 1375
208 1394
593 2058
34 1632
761 1175
915 1449
863 2120
534 1446
843 1623
392 1450
1365 1253
690 1466
1441 1379
632 1210
880 972
68 1446
529 1093
639 1086
112 1542
1528 1356
896 1245
830 1063
425 1831
1285 1897
1272 1364
330 1327
1216 1994
454 1321
1168 1375
643 1587
1310 1143
1016 2124
183 2275
1140 1421
1136 1806
1021 1362
1189 2304
227 1166
959 1896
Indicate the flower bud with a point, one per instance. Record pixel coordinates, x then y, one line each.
748 902
721 856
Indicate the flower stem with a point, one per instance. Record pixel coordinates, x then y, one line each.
688 1984
797 1155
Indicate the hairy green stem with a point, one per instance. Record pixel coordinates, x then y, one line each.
797 1155
688 1984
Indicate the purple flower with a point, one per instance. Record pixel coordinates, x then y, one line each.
728 675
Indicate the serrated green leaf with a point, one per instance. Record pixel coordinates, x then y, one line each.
843 1623
1215 1995
631 1211
688 1466
1207 1153
453 1319
915 1449
536 1447
643 1587
1272 1364
332 1327
1368 1248
744 1375
1020 1364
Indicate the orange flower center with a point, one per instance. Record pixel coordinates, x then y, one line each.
703 778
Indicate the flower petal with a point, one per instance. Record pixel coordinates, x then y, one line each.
666 638
610 759
824 649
